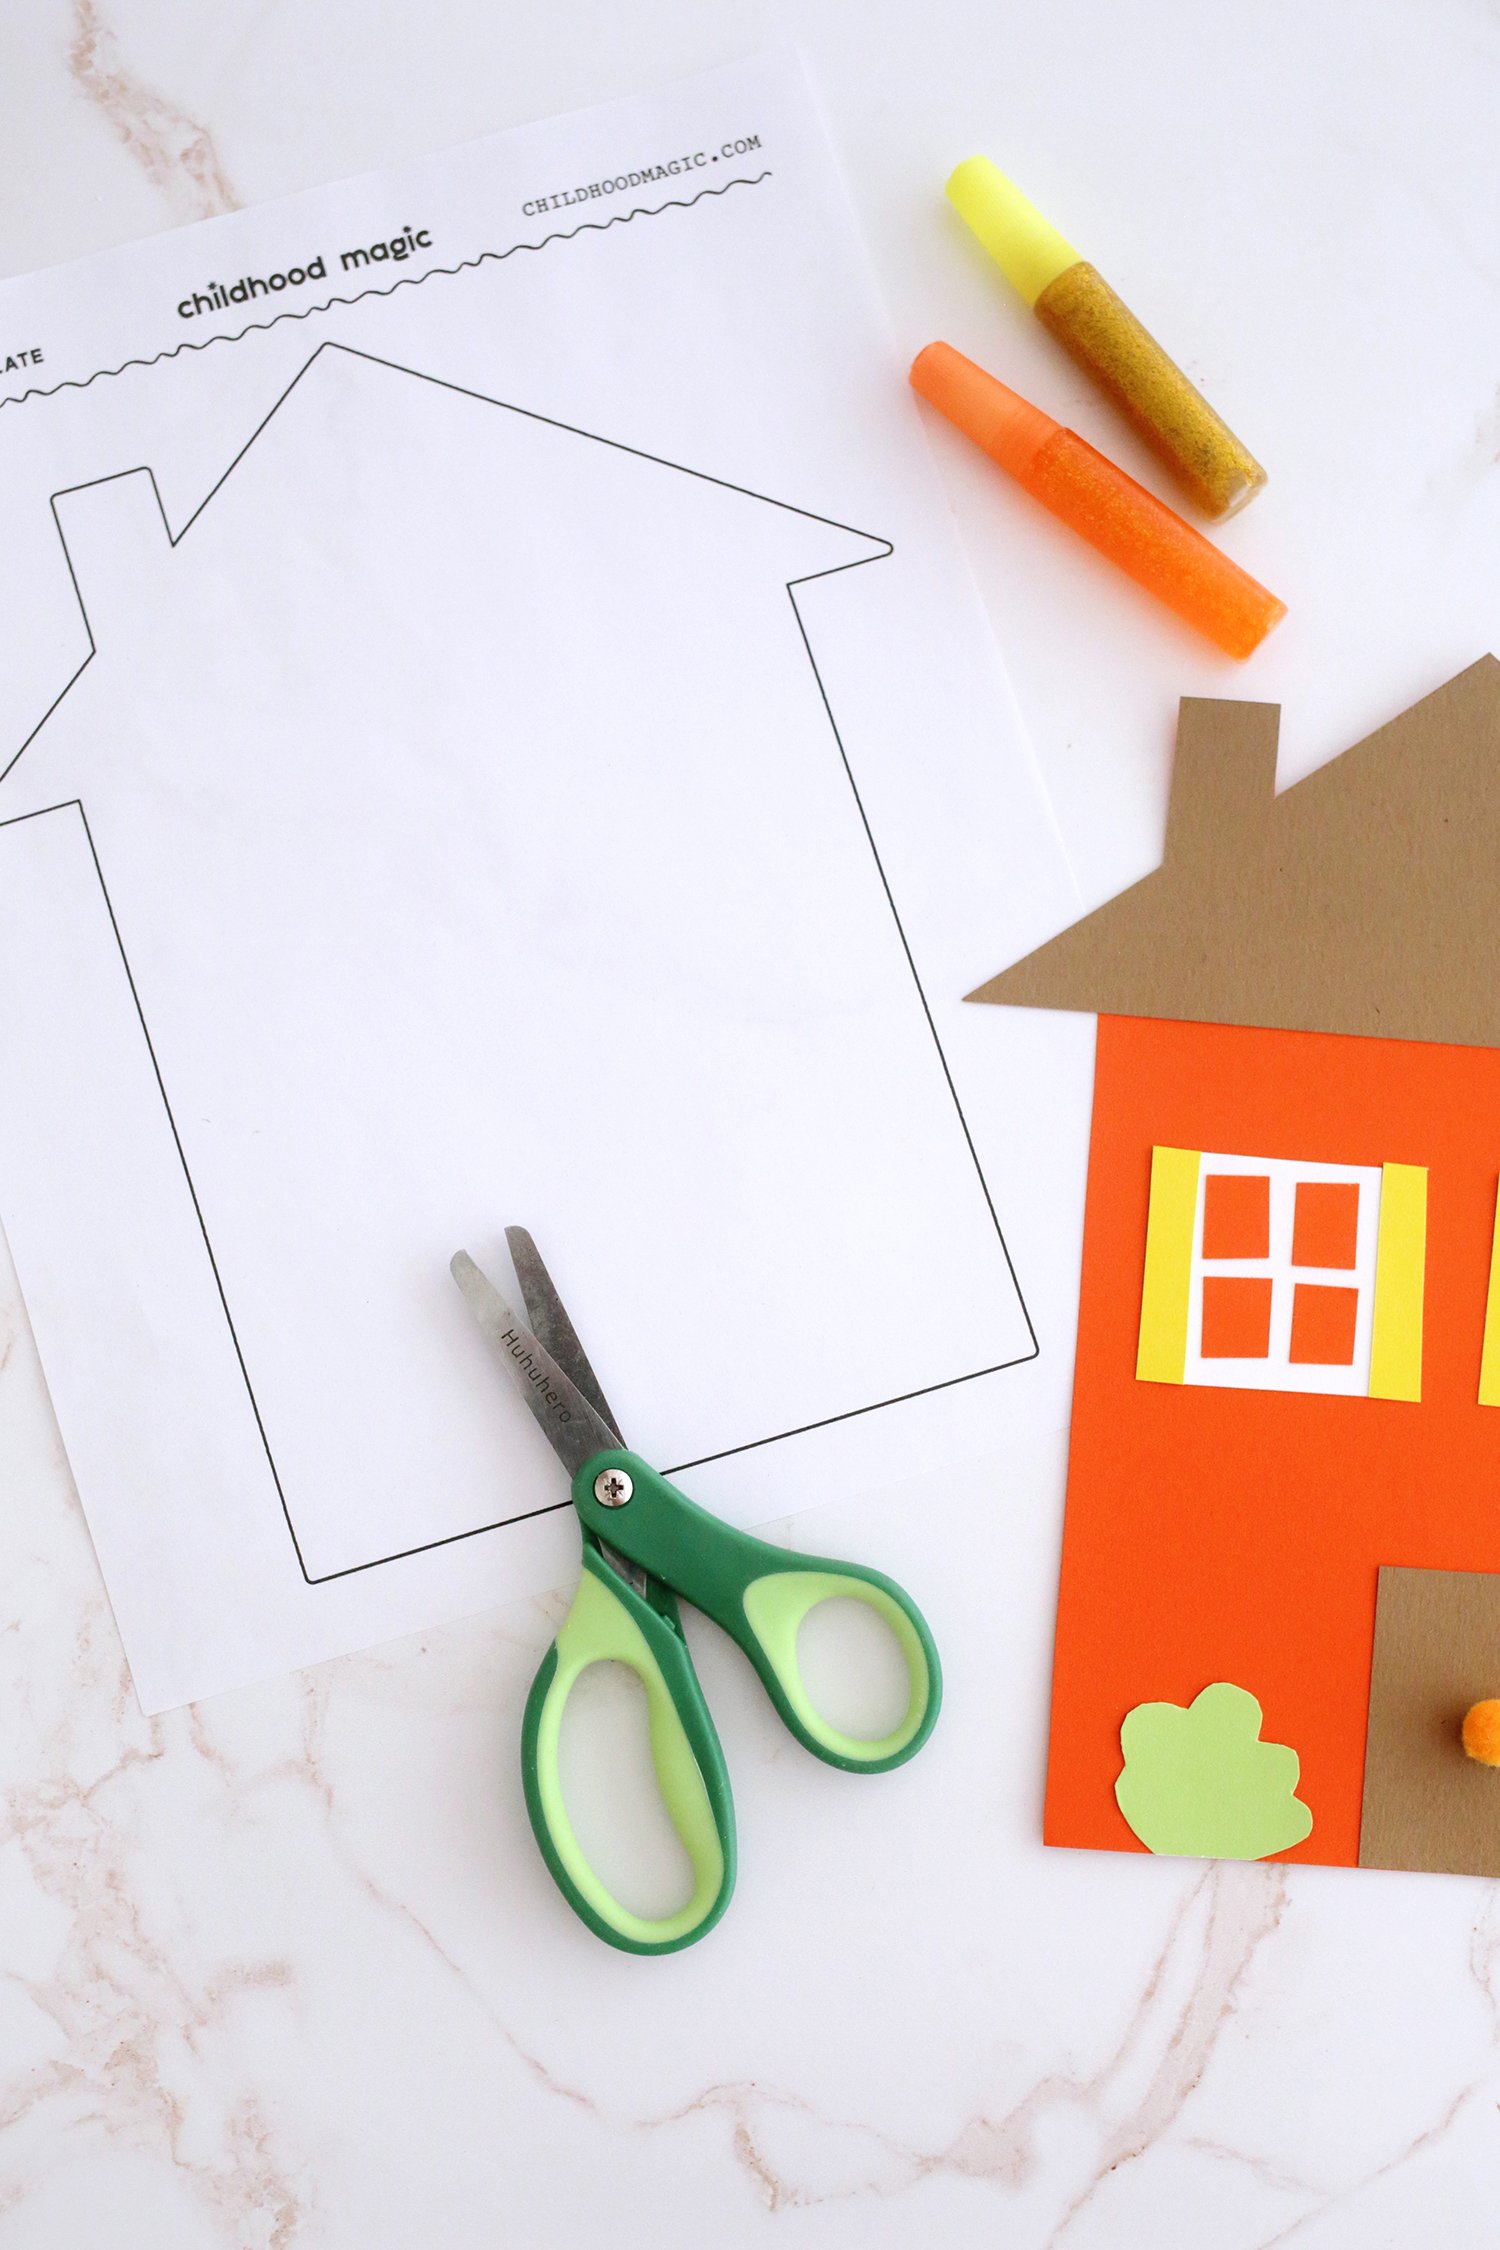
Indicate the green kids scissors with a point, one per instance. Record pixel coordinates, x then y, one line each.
645 1543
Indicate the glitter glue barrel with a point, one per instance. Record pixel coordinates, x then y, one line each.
1101 503
1108 342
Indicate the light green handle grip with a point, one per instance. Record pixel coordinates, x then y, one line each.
775 1605
610 1622
760 1595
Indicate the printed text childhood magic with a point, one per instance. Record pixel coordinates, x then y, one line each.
218 296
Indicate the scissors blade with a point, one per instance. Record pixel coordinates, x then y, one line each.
551 1325
576 1431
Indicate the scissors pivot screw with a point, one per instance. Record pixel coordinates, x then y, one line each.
612 1488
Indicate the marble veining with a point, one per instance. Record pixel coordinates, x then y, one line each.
174 151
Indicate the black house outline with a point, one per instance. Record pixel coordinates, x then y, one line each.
76 804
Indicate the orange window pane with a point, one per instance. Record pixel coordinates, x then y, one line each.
1236 1317
1236 1215
1327 1222
1323 1325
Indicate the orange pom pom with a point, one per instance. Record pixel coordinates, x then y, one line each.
1482 1732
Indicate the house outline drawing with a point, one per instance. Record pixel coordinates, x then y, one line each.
74 805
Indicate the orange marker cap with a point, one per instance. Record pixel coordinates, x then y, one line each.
1003 424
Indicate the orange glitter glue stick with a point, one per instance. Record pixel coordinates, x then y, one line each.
1101 503
1103 335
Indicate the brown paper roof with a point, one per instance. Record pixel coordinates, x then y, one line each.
1364 899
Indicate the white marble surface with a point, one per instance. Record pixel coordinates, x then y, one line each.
284 1970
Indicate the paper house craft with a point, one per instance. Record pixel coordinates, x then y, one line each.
1284 1482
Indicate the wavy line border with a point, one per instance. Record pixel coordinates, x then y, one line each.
406 281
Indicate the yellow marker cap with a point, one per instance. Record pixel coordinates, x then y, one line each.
1026 247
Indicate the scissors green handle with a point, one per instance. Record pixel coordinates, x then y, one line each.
637 1526
760 1595
609 1622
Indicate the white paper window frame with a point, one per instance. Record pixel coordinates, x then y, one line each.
1277 1371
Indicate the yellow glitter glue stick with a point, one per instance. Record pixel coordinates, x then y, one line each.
1103 335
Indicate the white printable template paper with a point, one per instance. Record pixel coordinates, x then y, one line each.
497 729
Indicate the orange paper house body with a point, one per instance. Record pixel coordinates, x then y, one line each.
1288 1373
